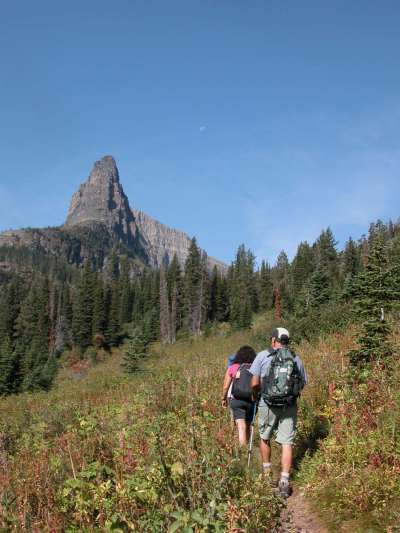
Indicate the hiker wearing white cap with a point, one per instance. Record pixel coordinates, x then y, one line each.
278 378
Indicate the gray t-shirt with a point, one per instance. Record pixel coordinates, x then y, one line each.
262 363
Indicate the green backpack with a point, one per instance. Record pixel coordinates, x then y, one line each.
282 384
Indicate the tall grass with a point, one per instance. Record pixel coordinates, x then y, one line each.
156 452
353 479
150 453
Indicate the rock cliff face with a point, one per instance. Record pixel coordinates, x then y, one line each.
101 199
100 219
163 242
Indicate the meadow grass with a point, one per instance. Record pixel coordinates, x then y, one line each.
152 452
155 452
353 478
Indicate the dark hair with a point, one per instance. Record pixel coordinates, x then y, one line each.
245 354
284 340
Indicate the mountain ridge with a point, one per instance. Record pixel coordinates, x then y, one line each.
99 219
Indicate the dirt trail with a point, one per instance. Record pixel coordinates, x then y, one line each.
298 516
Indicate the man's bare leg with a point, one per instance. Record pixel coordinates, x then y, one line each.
265 450
287 458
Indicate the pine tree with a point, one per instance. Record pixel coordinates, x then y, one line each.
54 297
325 248
150 303
66 308
113 328
222 299
43 322
82 322
374 295
26 323
282 280
377 230
126 294
61 335
175 291
320 290
351 259
215 280
137 297
113 266
7 366
134 351
165 313
204 293
301 270
192 288
35 367
99 307
62 329
352 265
153 328
10 304
242 290
33 330
48 373
265 287
25 328
391 229
325 278
277 304
173 325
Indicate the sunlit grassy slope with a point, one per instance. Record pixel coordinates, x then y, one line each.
155 452
150 453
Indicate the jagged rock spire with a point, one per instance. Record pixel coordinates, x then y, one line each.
101 199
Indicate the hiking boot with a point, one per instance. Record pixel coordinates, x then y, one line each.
285 490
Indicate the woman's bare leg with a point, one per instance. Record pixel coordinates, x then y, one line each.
242 431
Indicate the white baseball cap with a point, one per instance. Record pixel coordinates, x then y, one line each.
280 334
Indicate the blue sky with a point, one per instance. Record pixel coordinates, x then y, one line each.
259 122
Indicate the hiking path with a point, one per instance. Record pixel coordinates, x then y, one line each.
297 516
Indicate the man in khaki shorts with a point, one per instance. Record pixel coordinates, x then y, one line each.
282 419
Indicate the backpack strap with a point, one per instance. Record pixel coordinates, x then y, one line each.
287 352
238 370
245 366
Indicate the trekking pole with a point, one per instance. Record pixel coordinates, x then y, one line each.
250 447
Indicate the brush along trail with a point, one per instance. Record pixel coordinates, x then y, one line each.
152 452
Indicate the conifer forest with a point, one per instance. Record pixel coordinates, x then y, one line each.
49 307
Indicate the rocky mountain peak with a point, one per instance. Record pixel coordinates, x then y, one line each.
100 219
101 199
104 170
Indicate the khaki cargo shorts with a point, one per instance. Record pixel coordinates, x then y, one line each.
283 420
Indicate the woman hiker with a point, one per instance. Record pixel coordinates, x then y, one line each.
242 408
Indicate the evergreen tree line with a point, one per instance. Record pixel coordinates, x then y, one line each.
57 309
317 282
